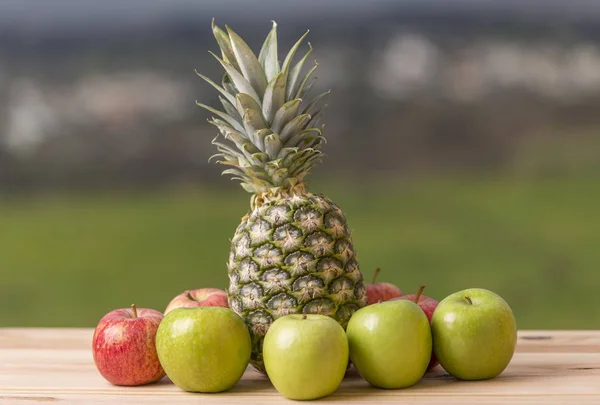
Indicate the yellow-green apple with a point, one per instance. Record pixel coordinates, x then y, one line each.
390 343
379 292
124 348
474 334
305 355
203 349
428 305
210 297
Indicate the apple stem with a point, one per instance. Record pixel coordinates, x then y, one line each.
134 309
469 300
377 270
189 295
418 295
303 316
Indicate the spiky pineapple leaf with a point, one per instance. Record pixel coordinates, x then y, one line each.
228 118
285 152
260 136
301 91
268 54
238 79
230 109
227 149
249 65
285 67
245 102
221 90
253 121
279 176
300 163
294 126
273 145
285 114
274 97
314 102
268 137
294 75
221 124
229 85
297 159
224 44
316 116
287 161
261 157
238 138
313 142
295 140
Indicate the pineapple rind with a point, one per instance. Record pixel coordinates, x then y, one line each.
293 255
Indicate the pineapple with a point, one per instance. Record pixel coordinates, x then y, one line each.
292 252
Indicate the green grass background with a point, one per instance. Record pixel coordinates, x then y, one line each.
68 259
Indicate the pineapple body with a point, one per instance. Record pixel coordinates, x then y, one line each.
293 255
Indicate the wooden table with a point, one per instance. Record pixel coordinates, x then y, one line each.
55 365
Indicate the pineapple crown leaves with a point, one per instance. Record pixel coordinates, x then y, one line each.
269 137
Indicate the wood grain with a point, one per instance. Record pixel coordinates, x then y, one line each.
55 365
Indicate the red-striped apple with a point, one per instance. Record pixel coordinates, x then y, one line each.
379 292
201 297
124 346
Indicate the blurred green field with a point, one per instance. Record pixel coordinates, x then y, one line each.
68 259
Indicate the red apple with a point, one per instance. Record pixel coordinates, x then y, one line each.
202 297
428 305
377 292
124 346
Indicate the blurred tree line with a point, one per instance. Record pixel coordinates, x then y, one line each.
106 106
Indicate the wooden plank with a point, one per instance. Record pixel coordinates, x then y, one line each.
550 367
81 338
586 341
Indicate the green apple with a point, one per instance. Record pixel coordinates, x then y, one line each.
390 343
474 334
305 355
203 349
